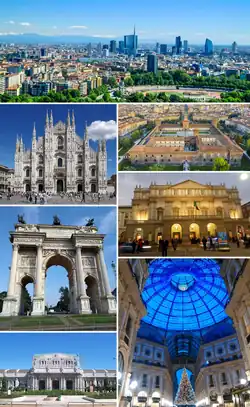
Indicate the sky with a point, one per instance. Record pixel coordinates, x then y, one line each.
222 21
105 220
101 120
87 345
128 182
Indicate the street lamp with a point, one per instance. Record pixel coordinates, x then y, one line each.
133 385
243 381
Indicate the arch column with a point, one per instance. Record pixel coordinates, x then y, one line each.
38 300
82 298
10 303
108 300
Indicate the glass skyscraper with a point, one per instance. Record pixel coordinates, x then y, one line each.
209 47
131 43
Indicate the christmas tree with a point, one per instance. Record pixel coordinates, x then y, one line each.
185 394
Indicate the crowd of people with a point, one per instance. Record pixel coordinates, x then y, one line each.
42 198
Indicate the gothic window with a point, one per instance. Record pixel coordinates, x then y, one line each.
60 162
223 378
27 172
60 143
211 381
157 382
79 159
40 173
40 159
79 172
93 172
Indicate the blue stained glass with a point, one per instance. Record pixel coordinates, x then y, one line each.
184 294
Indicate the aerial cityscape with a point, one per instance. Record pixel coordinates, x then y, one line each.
192 137
80 66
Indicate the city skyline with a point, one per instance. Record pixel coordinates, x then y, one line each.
195 23
88 346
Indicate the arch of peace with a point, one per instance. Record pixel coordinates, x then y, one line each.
58 371
79 249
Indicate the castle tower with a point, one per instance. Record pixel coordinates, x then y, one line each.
33 160
86 159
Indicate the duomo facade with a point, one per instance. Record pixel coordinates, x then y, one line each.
60 161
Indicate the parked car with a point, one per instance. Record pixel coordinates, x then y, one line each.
128 248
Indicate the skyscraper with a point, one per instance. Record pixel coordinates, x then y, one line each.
234 47
152 65
112 47
163 49
157 48
209 47
178 44
131 43
121 47
185 46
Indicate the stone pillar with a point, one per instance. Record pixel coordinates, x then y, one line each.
74 291
38 300
83 299
10 303
108 301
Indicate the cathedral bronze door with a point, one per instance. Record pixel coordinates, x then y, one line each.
59 186
55 385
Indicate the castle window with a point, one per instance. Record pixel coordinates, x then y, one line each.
93 172
60 162
79 172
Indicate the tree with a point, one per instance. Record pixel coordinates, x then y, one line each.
63 303
3 295
220 164
112 82
4 387
185 394
27 302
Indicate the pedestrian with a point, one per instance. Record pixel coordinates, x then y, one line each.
174 244
83 197
204 241
133 246
160 245
238 242
165 248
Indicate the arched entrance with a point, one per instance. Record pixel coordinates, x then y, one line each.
42 385
138 234
69 385
211 229
59 186
158 234
25 305
55 385
79 188
27 188
176 231
194 232
92 293
33 255
60 263
93 188
40 188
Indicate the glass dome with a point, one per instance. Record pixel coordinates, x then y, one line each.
184 294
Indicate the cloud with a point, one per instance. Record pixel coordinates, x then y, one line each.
31 214
54 27
82 27
10 33
10 22
102 130
25 24
108 223
200 35
104 36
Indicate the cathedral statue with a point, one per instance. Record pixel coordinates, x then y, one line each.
90 222
20 219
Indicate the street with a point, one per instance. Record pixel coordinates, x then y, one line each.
56 200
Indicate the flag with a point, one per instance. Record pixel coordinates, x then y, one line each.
196 206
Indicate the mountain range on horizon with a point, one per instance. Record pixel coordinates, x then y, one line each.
41 39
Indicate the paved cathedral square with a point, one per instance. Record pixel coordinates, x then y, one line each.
60 161
58 371
79 249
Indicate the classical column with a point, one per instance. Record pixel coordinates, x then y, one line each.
38 300
39 276
104 272
83 299
13 270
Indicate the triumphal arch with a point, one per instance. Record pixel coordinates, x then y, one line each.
79 249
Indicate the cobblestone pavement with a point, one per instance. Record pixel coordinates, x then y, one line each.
56 200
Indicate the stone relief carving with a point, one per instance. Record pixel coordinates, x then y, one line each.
27 240
27 228
26 261
86 229
88 262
